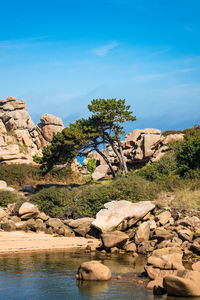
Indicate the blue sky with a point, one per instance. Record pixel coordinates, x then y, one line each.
59 55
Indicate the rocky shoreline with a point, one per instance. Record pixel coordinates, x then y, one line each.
167 237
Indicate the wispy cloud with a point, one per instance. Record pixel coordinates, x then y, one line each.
105 49
188 28
22 43
153 76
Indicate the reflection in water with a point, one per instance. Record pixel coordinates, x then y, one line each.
89 288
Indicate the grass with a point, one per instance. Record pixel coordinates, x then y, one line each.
181 200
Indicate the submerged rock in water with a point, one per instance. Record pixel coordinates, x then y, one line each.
93 270
178 286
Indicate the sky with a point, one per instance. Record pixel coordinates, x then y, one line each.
58 55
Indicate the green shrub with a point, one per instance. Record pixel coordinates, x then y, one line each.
133 188
162 169
87 200
91 165
60 173
188 157
8 197
53 200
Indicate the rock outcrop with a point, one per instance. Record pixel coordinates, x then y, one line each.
20 139
139 147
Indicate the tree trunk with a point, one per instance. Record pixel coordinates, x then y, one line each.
122 160
122 157
117 153
107 161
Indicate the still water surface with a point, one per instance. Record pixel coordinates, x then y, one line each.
52 276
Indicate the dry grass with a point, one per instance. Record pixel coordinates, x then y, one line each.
184 199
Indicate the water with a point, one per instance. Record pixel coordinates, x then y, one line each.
52 276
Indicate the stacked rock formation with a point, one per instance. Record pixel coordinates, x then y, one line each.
20 139
139 147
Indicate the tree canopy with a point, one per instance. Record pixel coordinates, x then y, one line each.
86 135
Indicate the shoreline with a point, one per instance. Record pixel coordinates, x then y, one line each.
24 242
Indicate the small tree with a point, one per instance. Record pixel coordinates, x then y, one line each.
86 135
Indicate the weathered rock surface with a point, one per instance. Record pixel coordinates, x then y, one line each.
93 270
186 234
100 172
49 124
196 266
167 259
142 233
2 213
28 210
8 226
81 226
181 287
20 139
55 223
164 217
115 212
131 247
114 239
139 147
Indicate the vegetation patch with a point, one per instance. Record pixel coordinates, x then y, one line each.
8 197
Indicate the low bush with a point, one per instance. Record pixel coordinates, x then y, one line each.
158 171
54 200
188 157
8 197
87 200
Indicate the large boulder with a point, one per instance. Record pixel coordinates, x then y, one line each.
100 172
114 239
93 270
154 273
196 266
81 226
164 217
186 234
49 125
167 258
28 211
115 212
181 287
3 214
142 233
55 223
8 226
49 119
171 138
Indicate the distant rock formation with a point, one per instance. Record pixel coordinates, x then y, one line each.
139 147
20 139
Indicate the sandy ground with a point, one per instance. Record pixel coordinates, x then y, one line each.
18 241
